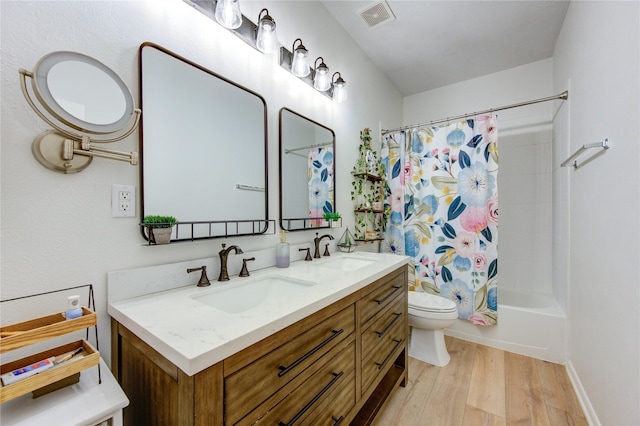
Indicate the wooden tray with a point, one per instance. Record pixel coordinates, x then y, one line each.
43 328
90 358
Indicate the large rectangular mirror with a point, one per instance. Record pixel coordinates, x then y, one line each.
203 149
307 178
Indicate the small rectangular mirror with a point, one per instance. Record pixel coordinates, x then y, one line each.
307 178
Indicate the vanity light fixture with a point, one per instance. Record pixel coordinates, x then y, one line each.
321 79
262 37
266 40
339 88
228 14
300 61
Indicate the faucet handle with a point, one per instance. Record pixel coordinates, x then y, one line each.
326 250
204 280
308 257
245 272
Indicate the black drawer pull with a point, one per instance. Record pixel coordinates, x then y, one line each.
393 321
336 376
337 421
381 301
284 370
398 343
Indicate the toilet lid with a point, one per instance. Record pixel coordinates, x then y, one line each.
430 302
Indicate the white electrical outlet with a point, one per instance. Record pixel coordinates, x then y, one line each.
123 200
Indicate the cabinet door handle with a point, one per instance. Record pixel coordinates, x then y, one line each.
337 421
381 301
336 376
284 370
393 321
398 343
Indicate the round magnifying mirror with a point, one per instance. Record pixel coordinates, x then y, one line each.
82 92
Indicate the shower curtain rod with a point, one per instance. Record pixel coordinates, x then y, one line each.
316 145
564 96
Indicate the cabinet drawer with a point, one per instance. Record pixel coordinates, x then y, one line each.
253 384
379 298
380 354
336 408
383 326
317 393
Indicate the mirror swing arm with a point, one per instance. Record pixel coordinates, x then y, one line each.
64 151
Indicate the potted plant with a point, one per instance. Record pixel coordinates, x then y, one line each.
159 228
333 218
369 190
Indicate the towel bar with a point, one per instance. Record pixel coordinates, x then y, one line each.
604 145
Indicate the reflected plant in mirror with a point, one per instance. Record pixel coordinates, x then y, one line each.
203 148
307 178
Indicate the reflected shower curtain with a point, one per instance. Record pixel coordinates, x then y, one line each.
443 198
320 180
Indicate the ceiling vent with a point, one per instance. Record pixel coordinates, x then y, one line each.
376 14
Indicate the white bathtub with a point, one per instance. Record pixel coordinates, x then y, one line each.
530 324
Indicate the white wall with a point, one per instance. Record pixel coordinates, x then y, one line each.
524 179
57 230
598 51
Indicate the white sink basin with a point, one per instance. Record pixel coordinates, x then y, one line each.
346 264
243 297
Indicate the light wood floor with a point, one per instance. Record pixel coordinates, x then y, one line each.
483 386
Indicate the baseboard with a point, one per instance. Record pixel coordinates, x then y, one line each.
587 408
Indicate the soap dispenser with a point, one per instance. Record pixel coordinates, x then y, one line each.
282 251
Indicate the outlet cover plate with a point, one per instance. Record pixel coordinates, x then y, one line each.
123 200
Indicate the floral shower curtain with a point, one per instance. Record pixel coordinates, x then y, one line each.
320 181
443 198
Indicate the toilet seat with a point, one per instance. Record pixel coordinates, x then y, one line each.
426 302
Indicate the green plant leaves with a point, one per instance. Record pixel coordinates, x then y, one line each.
442 182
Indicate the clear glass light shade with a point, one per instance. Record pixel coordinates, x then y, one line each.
340 90
322 81
266 40
228 13
300 62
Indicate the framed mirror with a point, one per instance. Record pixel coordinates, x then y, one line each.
203 149
307 178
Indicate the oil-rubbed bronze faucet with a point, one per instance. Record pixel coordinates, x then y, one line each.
316 242
224 253
204 280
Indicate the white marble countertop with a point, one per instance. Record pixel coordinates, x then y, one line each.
195 336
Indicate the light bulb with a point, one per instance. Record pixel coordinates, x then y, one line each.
300 60
228 14
266 40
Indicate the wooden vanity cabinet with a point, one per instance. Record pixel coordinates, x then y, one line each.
263 387
336 366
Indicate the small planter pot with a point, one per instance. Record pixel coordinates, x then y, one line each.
160 235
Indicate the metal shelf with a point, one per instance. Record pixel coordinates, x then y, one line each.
205 230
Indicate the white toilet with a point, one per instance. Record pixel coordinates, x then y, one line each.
429 315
